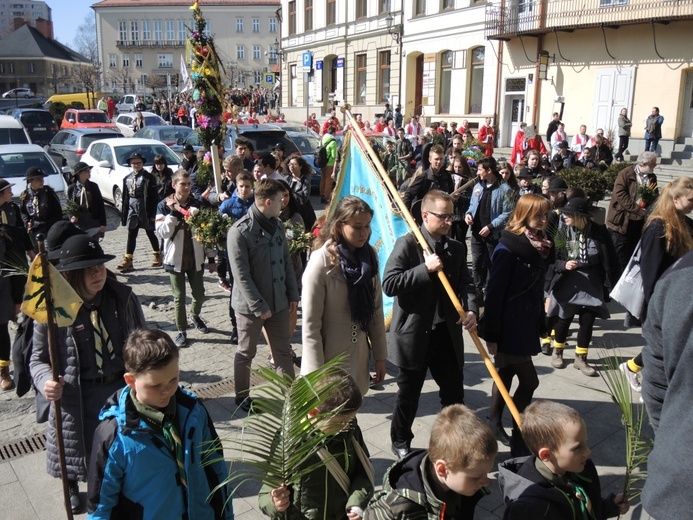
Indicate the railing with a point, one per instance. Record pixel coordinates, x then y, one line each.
150 43
523 17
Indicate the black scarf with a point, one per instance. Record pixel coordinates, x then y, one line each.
359 268
265 223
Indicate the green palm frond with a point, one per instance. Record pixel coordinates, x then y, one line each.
14 264
278 441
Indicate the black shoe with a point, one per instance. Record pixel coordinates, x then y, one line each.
181 340
297 360
199 324
234 336
73 492
400 453
244 403
271 364
500 434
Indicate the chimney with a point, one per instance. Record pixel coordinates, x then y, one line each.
45 27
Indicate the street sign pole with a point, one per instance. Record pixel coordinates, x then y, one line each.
307 66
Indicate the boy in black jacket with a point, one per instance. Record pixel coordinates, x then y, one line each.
560 481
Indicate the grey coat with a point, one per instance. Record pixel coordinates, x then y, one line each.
72 400
263 273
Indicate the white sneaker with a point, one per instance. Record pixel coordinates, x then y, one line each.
632 377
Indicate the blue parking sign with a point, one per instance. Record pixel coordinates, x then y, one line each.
307 61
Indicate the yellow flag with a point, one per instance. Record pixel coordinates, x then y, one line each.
66 302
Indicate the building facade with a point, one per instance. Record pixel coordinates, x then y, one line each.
588 60
25 10
141 42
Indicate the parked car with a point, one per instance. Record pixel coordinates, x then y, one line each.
18 92
39 124
128 101
294 127
308 144
68 146
16 159
87 100
124 122
75 118
109 160
12 131
167 134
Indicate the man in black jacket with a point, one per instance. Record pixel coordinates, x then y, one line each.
434 178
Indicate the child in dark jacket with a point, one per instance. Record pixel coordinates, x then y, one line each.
445 481
239 203
559 482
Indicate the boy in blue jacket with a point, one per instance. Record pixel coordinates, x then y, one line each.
156 454
239 203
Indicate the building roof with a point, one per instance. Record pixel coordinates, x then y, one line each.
181 3
28 42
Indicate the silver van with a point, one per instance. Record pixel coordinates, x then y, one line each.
12 131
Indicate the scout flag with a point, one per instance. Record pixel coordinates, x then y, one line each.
66 302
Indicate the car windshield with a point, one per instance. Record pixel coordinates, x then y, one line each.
13 136
93 117
153 121
173 134
37 119
13 164
90 138
149 151
307 144
265 141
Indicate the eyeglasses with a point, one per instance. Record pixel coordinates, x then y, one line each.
446 216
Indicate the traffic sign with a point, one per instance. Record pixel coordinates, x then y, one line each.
307 61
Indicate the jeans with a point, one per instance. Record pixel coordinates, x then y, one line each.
651 144
197 288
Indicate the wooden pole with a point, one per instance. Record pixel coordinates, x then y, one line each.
385 178
55 367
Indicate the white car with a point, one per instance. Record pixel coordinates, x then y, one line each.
124 122
16 159
110 166
18 93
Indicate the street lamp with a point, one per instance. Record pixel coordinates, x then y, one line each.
392 30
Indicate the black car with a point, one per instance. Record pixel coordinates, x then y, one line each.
69 144
39 124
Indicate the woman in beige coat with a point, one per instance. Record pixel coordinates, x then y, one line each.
342 300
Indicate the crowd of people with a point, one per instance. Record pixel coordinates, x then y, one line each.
538 261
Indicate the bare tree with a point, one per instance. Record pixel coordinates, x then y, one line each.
156 82
88 77
85 39
123 80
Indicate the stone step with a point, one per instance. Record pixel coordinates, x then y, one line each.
683 147
685 140
681 155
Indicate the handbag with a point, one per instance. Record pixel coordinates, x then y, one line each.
628 290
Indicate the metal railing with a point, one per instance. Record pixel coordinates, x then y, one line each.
524 17
150 43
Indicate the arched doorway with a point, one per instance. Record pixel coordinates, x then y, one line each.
329 81
414 85
445 82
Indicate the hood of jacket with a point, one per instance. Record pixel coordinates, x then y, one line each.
519 477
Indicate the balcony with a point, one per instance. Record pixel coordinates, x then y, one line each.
150 43
532 17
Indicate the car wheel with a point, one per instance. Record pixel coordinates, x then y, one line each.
118 199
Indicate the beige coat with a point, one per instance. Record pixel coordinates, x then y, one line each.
327 327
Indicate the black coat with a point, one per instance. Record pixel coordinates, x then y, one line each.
140 210
93 214
421 185
514 316
416 294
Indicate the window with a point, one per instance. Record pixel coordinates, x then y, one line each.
258 77
165 61
256 52
138 60
612 3
146 30
143 80
447 4
361 71
126 60
256 25
123 30
135 31
182 32
383 6
240 52
239 24
384 83
32 67
331 12
446 59
158 33
112 61
308 18
361 8
208 29
2 68
170 32
292 18
476 80
419 7
273 24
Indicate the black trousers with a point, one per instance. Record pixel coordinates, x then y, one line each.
446 371
623 141
132 240
482 249
625 244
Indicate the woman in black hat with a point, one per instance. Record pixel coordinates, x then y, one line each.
39 204
90 355
86 194
585 270
140 197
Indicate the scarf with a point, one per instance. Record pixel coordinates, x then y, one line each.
265 223
539 242
359 268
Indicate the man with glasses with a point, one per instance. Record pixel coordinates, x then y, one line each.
426 331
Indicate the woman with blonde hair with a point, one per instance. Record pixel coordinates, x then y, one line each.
514 317
667 236
342 298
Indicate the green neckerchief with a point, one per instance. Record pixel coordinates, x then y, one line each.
569 484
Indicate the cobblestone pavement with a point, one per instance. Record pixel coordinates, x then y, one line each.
26 492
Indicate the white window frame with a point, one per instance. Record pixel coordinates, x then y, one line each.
170 30
257 52
146 30
256 25
272 25
158 30
239 24
123 30
240 52
135 30
126 61
112 61
164 61
138 60
182 31
258 77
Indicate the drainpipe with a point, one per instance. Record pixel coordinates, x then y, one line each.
496 103
537 81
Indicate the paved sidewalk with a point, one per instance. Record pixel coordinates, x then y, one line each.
28 493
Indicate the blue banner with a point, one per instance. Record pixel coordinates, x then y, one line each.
357 176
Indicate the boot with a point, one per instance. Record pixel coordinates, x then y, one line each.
499 433
156 262
546 345
126 264
557 358
6 382
581 365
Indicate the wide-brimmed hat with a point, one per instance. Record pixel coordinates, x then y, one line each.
525 173
563 144
57 235
35 173
136 155
279 146
557 184
80 252
577 206
80 167
4 184
188 148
